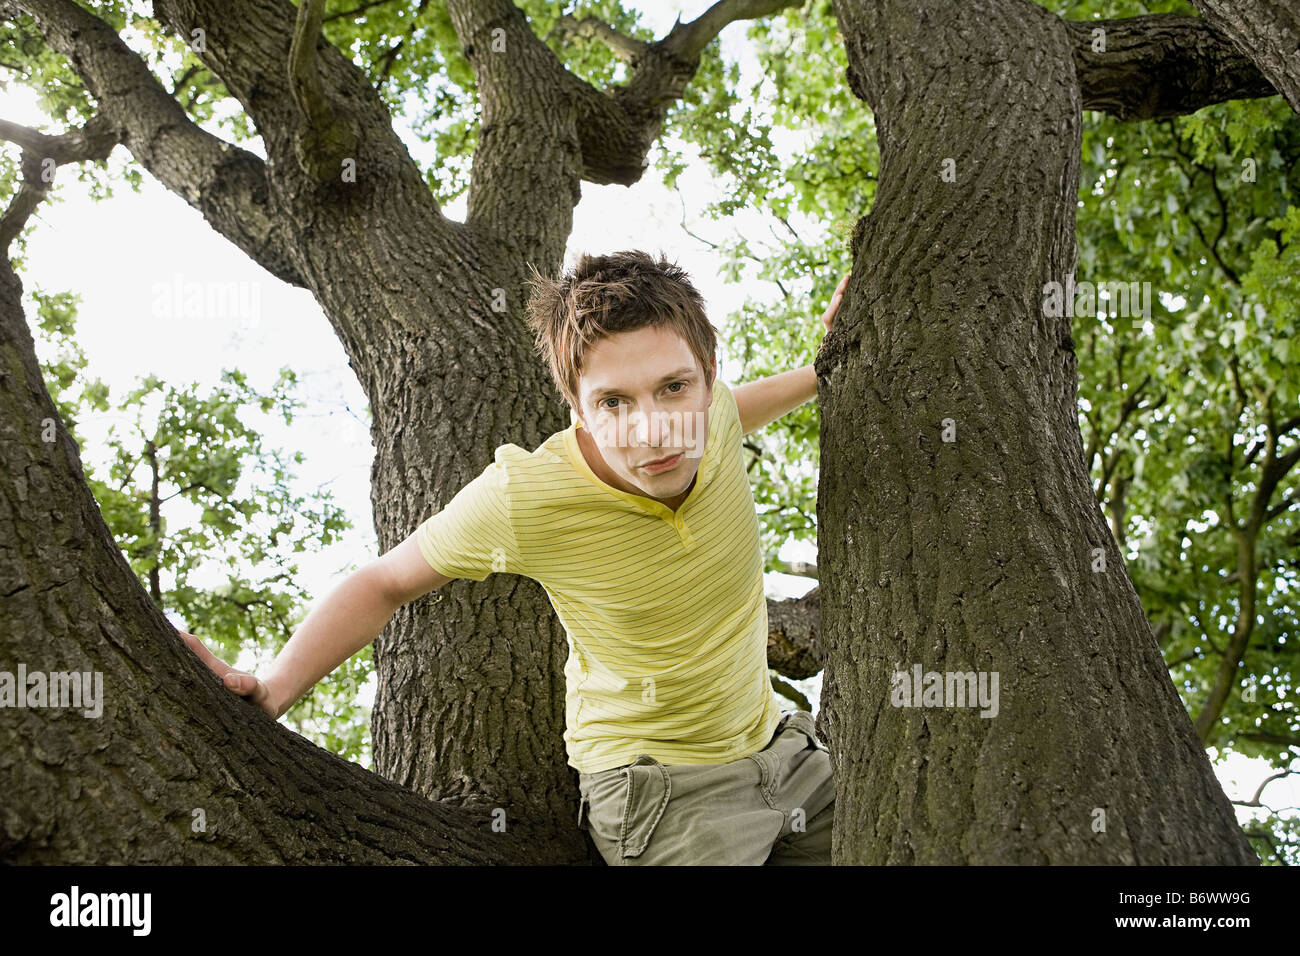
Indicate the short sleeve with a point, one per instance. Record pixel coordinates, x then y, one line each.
724 406
474 535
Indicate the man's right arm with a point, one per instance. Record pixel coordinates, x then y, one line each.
349 618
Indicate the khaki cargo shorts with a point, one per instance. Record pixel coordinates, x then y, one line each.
773 807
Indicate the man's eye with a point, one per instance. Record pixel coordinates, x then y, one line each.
674 385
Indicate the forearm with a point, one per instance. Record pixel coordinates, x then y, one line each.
764 401
346 620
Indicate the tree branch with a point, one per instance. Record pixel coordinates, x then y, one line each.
325 137
543 125
792 625
1265 31
304 81
94 141
42 153
347 14
1159 65
686 41
790 693
390 58
226 184
1254 801
620 124
803 569
626 48
1274 470
1288 501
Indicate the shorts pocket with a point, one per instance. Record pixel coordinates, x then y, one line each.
598 794
621 807
648 790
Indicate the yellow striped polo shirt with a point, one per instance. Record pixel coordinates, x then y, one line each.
665 612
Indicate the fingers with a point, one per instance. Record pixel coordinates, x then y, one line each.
246 685
829 317
839 294
205 655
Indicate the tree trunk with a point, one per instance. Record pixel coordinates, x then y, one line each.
469 707
977 554
176 769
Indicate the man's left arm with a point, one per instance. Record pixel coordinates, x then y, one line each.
764 400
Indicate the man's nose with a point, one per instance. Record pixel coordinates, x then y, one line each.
652 427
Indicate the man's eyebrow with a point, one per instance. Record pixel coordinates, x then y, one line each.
683 372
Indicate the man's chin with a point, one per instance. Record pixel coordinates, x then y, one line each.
666 488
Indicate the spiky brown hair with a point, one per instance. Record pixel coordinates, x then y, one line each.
603 295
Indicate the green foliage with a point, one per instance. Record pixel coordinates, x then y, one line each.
411 54
1179 412
60 94
206 514
65 366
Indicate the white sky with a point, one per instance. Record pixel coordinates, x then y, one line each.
121 254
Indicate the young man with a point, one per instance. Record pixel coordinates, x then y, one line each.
639 522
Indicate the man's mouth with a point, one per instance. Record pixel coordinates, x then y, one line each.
662 464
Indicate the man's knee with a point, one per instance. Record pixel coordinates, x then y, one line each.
809 847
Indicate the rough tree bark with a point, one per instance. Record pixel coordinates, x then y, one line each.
1267 32
976 554
470 705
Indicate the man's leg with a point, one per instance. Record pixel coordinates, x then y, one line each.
804 789
809 848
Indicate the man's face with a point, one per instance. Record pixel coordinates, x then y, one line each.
643 398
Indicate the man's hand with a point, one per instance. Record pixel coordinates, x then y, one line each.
829 317
246 685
